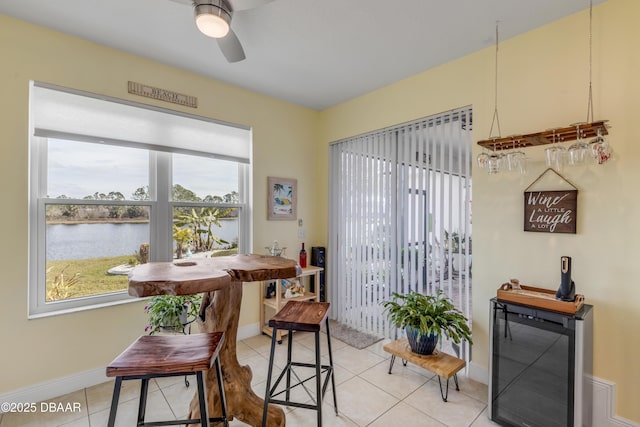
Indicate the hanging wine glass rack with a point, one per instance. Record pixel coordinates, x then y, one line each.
549 136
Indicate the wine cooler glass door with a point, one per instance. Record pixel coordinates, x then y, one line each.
532 367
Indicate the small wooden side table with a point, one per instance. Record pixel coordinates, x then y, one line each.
278 301
442 364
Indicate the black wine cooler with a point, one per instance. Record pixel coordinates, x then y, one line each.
540 366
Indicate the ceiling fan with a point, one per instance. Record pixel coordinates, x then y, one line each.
213 19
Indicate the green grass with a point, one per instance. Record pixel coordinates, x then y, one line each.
92 276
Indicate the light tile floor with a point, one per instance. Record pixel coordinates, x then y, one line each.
367 394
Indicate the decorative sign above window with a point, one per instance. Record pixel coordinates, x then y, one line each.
550 211
162 94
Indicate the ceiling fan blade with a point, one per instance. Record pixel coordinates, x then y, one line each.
231 47
246 4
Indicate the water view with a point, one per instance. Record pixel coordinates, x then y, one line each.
96 240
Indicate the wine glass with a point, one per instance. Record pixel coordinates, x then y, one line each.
578 151
516 159
483 159
600 148
556 154
494 163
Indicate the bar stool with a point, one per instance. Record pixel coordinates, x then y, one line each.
153 356
300 316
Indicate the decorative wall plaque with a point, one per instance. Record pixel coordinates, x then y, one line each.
551 211
162 94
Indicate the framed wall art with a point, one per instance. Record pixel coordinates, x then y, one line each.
283 198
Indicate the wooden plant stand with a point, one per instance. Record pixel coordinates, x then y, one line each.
440 363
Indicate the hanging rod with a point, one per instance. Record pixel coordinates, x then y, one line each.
549 136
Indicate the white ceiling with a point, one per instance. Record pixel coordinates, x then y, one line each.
315 53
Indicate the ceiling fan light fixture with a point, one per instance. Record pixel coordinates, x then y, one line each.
213 19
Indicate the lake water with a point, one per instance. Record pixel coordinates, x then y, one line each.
79 241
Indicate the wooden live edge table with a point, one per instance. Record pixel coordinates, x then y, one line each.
220 280
440 363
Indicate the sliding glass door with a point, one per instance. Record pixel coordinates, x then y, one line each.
400 217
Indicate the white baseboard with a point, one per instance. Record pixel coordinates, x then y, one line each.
604 405
478 373
604 398
249 331
54 388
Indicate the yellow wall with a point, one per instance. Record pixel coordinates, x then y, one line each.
284 144
543 81
543 84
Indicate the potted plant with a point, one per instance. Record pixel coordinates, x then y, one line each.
171 312
425 318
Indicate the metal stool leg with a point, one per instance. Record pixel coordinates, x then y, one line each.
333 383
300 316
318 379
288 368
114 402
267 395
142 405
202 397
223 400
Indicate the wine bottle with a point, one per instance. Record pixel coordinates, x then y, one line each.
303 257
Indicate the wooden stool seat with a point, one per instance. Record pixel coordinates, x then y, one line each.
153 356
305 316
167 354
301 316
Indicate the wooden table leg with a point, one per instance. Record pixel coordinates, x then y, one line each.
221 311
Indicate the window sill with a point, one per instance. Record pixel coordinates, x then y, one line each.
71 310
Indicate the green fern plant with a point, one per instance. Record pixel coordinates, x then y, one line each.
430 314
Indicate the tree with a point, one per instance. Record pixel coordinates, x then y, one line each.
181 194
135 212
232 197
213 199
141 193
95 196
115 211
68 211
201 222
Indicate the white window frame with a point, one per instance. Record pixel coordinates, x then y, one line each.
160 216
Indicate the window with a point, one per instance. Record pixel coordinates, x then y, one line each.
114 184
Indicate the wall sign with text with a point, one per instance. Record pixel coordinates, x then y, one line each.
550 211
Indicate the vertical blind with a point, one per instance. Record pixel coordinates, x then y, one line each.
400 217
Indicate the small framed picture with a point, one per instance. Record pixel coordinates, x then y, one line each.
283 197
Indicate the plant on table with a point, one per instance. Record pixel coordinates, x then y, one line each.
425 318
171 312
